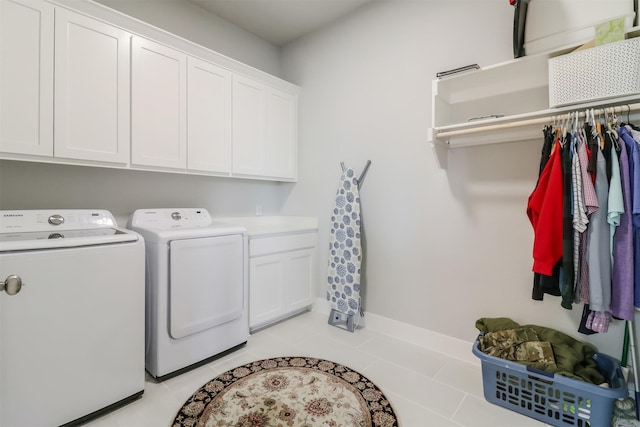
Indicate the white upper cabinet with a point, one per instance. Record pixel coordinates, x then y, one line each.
282 129
208 117
91 89
26 77
249 126
80 84
264 130
158 105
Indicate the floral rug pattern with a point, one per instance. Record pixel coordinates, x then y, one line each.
288 392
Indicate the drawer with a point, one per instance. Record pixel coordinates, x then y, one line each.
259 246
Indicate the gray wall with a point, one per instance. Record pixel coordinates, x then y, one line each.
25 185
198 25
443 247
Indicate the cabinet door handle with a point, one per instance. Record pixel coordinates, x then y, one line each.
12 284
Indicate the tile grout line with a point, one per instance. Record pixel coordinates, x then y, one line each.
458 408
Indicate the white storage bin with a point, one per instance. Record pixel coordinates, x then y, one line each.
606 71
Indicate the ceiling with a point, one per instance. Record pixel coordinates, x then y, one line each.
280 21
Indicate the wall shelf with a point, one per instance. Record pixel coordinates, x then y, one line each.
516 91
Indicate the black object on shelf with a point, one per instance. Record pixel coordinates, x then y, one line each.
457 70
519 23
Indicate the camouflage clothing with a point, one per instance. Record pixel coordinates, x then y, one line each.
573 358
520 345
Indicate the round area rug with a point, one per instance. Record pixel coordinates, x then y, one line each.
288 392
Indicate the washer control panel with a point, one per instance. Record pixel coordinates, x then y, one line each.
54 220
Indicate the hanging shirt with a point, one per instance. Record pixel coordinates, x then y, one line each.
635 134
615 204
544 210
566 282
591 204
634 174
579 213
623 268
543 284
598 254
546 148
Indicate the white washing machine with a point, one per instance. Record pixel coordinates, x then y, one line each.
71 316
197 288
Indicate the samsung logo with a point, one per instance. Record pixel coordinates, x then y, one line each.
7 215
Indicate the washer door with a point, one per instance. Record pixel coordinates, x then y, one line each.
72 338
206 277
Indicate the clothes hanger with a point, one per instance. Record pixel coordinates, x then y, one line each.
594 124
631 125
558 129
565 124
613 119
614 134
598 134
549 129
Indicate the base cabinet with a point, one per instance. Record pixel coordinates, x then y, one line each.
282 274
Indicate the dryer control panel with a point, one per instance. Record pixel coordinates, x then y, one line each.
170 218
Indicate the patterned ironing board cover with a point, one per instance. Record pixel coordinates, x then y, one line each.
345 252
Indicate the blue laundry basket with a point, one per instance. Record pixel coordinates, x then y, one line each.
553 399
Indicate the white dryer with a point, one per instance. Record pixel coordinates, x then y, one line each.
197 288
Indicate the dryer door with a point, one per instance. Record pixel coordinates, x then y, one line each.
205 283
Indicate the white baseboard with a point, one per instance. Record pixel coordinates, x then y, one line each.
421 337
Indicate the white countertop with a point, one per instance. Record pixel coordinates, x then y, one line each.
259 226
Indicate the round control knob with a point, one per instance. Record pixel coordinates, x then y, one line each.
176 216
56 219
12 284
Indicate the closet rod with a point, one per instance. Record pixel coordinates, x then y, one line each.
539 121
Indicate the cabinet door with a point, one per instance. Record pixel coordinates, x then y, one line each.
26 77
264 130
266 281
282 137
300 280
158 105
208 117
91 89
249 127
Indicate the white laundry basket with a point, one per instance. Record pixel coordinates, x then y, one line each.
606 71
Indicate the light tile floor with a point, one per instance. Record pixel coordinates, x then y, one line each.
426 388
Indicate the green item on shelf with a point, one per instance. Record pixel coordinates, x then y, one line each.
610 32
